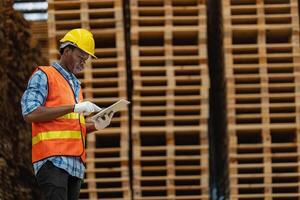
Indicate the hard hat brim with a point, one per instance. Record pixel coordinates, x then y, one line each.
65 44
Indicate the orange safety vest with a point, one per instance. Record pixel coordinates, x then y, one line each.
64 136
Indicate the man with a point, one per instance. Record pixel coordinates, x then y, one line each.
53 104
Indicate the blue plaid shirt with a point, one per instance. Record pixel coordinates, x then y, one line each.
34 97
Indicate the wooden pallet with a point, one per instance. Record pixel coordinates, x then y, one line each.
167 165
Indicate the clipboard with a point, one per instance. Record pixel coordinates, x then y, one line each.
119 105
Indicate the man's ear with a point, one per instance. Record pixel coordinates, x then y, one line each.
67 50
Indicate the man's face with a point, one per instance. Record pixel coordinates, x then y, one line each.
77 60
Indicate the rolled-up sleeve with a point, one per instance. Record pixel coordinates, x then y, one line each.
36 93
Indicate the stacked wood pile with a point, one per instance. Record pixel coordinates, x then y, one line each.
261 42
170 99
17 60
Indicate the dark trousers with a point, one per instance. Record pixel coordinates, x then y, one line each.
57 184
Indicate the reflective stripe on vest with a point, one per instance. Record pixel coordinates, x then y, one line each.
73 116
56 135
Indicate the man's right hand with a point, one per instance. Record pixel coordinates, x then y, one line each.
86 108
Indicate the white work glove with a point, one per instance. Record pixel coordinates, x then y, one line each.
101 123
86 108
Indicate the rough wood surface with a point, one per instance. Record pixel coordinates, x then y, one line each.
17 61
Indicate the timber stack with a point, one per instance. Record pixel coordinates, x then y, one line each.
17 61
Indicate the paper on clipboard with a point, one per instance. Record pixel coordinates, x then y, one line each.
119 105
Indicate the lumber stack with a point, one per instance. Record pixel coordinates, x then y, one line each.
17 61
261 42
104 82
170 99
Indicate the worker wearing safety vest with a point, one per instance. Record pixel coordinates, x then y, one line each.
53 103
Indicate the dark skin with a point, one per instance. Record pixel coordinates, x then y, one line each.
72 60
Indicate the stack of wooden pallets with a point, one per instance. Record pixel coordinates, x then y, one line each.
170 99
261 40
104 82
170 96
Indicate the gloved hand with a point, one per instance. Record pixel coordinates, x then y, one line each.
101 123
86 108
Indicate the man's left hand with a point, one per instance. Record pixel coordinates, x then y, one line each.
101 123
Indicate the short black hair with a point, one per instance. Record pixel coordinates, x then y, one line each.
61 50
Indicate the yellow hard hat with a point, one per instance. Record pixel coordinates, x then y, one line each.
81 38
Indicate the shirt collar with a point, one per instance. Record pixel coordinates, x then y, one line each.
65 73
